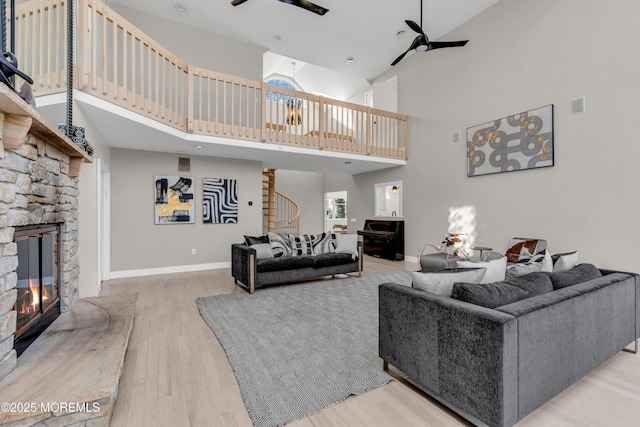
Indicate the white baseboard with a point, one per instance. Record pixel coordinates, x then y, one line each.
168 270
411 258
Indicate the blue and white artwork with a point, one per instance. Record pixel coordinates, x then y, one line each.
219 201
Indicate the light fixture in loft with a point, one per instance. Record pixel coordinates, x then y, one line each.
294 105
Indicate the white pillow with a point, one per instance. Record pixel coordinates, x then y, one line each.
441 282
534 266
347 244
566 261
496 269
263 250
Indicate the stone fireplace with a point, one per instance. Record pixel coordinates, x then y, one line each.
39 170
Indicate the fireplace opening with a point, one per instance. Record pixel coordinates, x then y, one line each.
38 286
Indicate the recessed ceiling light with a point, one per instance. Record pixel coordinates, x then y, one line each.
277 37
199 147
400 34
350 61
180 7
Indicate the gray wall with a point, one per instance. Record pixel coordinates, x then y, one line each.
197 47
136 243
306 189
523 55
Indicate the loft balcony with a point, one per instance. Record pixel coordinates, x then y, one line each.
124 78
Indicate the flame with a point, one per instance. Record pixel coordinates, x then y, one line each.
31 300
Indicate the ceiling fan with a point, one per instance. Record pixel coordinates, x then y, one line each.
421 43
305 4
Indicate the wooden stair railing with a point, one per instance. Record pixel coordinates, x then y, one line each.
283 214
119 63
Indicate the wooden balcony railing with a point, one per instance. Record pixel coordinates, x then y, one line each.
119 63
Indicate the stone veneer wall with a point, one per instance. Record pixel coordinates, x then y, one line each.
35 188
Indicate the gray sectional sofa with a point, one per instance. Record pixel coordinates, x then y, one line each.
496 365
251 272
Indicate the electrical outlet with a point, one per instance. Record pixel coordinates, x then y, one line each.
456 137
193 251
354 219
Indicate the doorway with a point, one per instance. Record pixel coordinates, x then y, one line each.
335 206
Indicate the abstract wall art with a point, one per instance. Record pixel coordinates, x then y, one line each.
520 141
174 200
219 201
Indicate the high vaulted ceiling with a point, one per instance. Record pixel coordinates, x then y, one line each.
364 30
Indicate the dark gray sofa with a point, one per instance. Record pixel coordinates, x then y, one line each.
252 273
495 366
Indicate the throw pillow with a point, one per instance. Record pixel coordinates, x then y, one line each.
251 240
347 244
520 249
280 244
263 250
536 264
578 274
496 268
492 295
565 261
301 245
326 244
441 282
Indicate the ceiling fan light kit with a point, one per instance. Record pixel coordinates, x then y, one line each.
422 43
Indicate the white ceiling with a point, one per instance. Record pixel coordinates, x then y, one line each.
364 30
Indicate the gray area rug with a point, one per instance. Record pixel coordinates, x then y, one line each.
297 349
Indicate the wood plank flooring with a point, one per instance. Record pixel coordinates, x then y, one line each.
176 373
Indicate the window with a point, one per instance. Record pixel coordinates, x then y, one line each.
336 208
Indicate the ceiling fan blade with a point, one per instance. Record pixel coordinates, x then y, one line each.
399 58
414 44
438 45
307 5
237 2
415 27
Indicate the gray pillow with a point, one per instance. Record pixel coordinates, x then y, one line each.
578 274
492 295
441 282
263 250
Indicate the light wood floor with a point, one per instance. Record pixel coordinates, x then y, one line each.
177 374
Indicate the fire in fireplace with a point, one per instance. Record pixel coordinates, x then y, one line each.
38 286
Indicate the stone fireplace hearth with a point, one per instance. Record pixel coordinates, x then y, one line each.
39 170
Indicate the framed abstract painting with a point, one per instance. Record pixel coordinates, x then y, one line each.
174 200
518 142
219 201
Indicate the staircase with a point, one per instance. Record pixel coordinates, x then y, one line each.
282 213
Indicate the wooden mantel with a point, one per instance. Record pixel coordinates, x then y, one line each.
21 118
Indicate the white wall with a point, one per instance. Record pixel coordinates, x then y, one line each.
89 224
138 244
523 55
197 47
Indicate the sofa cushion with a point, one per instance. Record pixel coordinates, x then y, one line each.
329 260
492 295
252 240
347 244
263 250
441 282
283 263
496 268
280 244
578 274
565 261
534 265
301 245
325 243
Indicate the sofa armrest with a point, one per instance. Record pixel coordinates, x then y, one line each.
464 354
243 265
